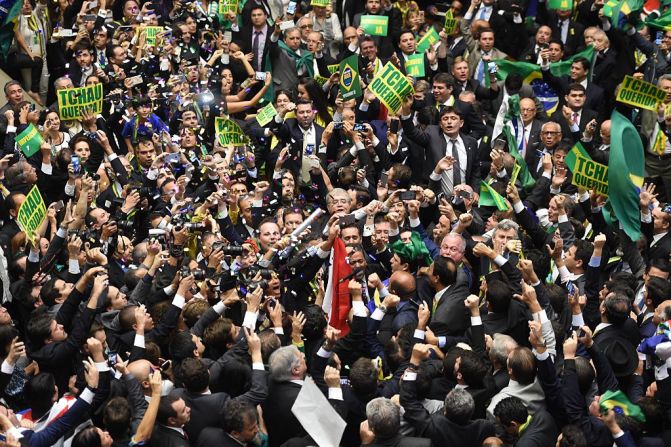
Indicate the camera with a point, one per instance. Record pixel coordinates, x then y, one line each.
194 226
145 192
230 250
197 274
126 226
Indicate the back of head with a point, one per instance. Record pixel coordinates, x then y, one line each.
617 308
363 377
473 369
39 392
511 409
498 296
116 417
384 418
522 365
459 406
182 346
194 375
88 437
315 322
572 436
282 361
237 413
585 372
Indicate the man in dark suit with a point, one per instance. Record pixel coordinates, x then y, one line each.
448 316
241 421
173 414
346 10
462 82
579 74
655 226
287 372
512 414
537 44
381 428
615 322
599 151
384 43
455 426
255 38
298 133
574 116
443 96
563 28
606 67
206 407
407 47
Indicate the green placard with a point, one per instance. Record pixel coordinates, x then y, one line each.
639 93
72 101
350 86
266 114
229 132
320 80
322 3
427 40
563 5
414 66
32 213
375 25
150 33
226 6
451 23
516 172
391 87
29 141
332 68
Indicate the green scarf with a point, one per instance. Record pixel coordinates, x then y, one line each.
304 61
414 250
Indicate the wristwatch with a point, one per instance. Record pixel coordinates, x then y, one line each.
383 308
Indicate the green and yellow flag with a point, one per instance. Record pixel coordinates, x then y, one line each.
489 197
620 404
229 132
526 179
427 40
29 141
628 162
350 85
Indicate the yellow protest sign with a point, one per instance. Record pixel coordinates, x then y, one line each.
228 6
229 132
587 173
31 213
150 33
391 87
638 93
414 66
451 23
72 101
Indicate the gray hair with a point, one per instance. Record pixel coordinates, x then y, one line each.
462 241
384 417
502 345
61 79
337 192
551 122
507 224
282 362
459 406
665 77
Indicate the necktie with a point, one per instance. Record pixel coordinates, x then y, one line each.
563 26
575 117
255 50
483 13
102 60
456 168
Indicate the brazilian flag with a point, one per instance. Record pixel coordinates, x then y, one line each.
620 404
489 197
9 10
525 178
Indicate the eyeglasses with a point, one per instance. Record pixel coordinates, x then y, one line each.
306 26
342 201
549 132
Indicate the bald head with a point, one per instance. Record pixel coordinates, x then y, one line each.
605 132
402 283
140 369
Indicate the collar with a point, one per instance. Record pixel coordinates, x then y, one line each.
237 441
177 429
657 237
440 293
600 327
309 129
297 382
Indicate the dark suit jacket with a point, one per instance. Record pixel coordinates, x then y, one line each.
437 427
627 331
167 437
586 116
281 422
290 133
351 8
385 45
541 431
560 84
473 125
574 37
662 248
401 441
215 436
451 317
435 147
207 410
245 39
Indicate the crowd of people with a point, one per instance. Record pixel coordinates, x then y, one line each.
235 250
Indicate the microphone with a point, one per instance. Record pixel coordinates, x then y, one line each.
354 274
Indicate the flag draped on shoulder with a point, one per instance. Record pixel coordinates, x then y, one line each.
525 178
9 10
337 302
626 167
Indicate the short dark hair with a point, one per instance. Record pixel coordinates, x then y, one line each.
511 409
444 78
575 87
116 417
363 377
472 368
49 292
87 437
583 251
657 290
165 409
194 375
617 308
182 346
498 295
572 436
586 64
236 414
446 270
39 327
522 362
39 392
